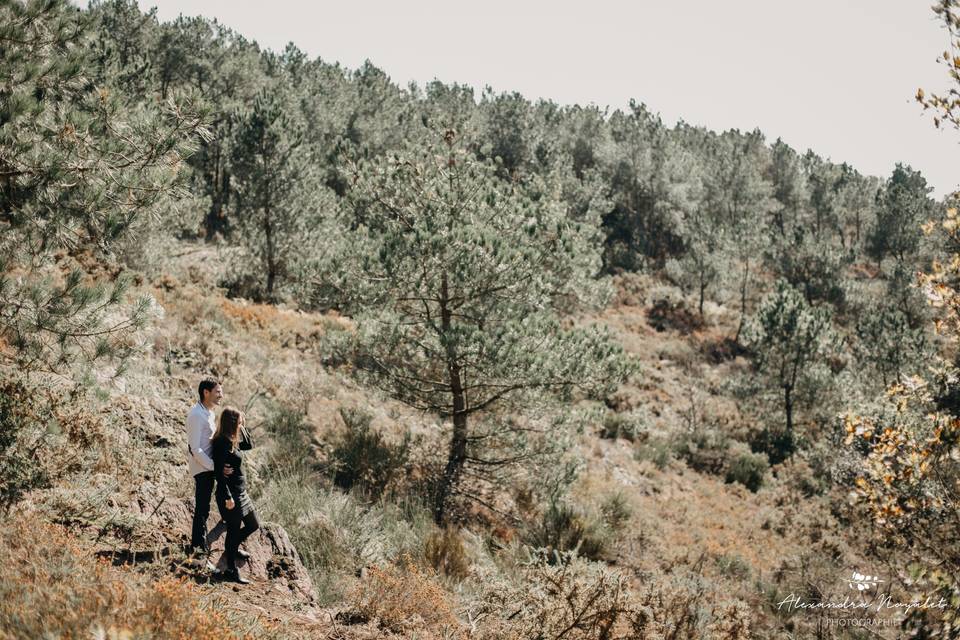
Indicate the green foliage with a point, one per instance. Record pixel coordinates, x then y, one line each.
630 426
280 200
616 511
338 535
889 343
24 420
362 459
291 439
565 527
733 566
747 468
647 175
740 195
815 267
80 165
507 122
457 280
659 451
787 336
702 447
777 442
902 207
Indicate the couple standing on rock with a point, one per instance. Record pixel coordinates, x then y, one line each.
214 454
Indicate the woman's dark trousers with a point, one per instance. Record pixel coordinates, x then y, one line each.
239 528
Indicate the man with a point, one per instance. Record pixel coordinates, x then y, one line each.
201 425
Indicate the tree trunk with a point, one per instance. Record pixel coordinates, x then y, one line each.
743 299
703 288
457 454
788 408
268 233
219 195
271 259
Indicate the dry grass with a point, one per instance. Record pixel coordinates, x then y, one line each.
402 598
444 551
720 537
52 586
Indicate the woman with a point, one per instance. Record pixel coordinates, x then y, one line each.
232 499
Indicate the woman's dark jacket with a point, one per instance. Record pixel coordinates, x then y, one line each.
230 487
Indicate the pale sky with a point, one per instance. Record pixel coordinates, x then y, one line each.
836 76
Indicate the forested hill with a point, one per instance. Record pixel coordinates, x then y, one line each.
513 367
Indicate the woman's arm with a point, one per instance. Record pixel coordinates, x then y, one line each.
245 443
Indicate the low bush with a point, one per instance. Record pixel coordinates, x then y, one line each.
400 599
659 451
799 479
778 443
362 459
291 438
747 468
46 433
704 449
564 527
616 511
444 551
676 608
631 426
23 434
337 534
669 310
733 566
555 595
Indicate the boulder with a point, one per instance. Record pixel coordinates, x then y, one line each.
164 523
273 557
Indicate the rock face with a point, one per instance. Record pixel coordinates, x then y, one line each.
272 556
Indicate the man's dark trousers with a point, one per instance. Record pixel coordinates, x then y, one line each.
203 490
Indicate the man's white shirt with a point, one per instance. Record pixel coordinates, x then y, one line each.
201 425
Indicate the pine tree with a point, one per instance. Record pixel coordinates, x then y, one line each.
457 279
902 207
280 198
78 166
787 336
648 181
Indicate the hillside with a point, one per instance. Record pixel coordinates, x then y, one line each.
702 550
511 369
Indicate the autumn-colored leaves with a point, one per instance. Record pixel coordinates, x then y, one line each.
947 105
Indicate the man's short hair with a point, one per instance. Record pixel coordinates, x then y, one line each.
207 384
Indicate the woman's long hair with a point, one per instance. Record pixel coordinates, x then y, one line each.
229 426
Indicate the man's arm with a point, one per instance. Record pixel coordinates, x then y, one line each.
219 455
197 432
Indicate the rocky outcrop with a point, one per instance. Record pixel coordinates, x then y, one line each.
272 558
165 522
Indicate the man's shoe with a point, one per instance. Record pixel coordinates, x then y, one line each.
242 554
234 576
